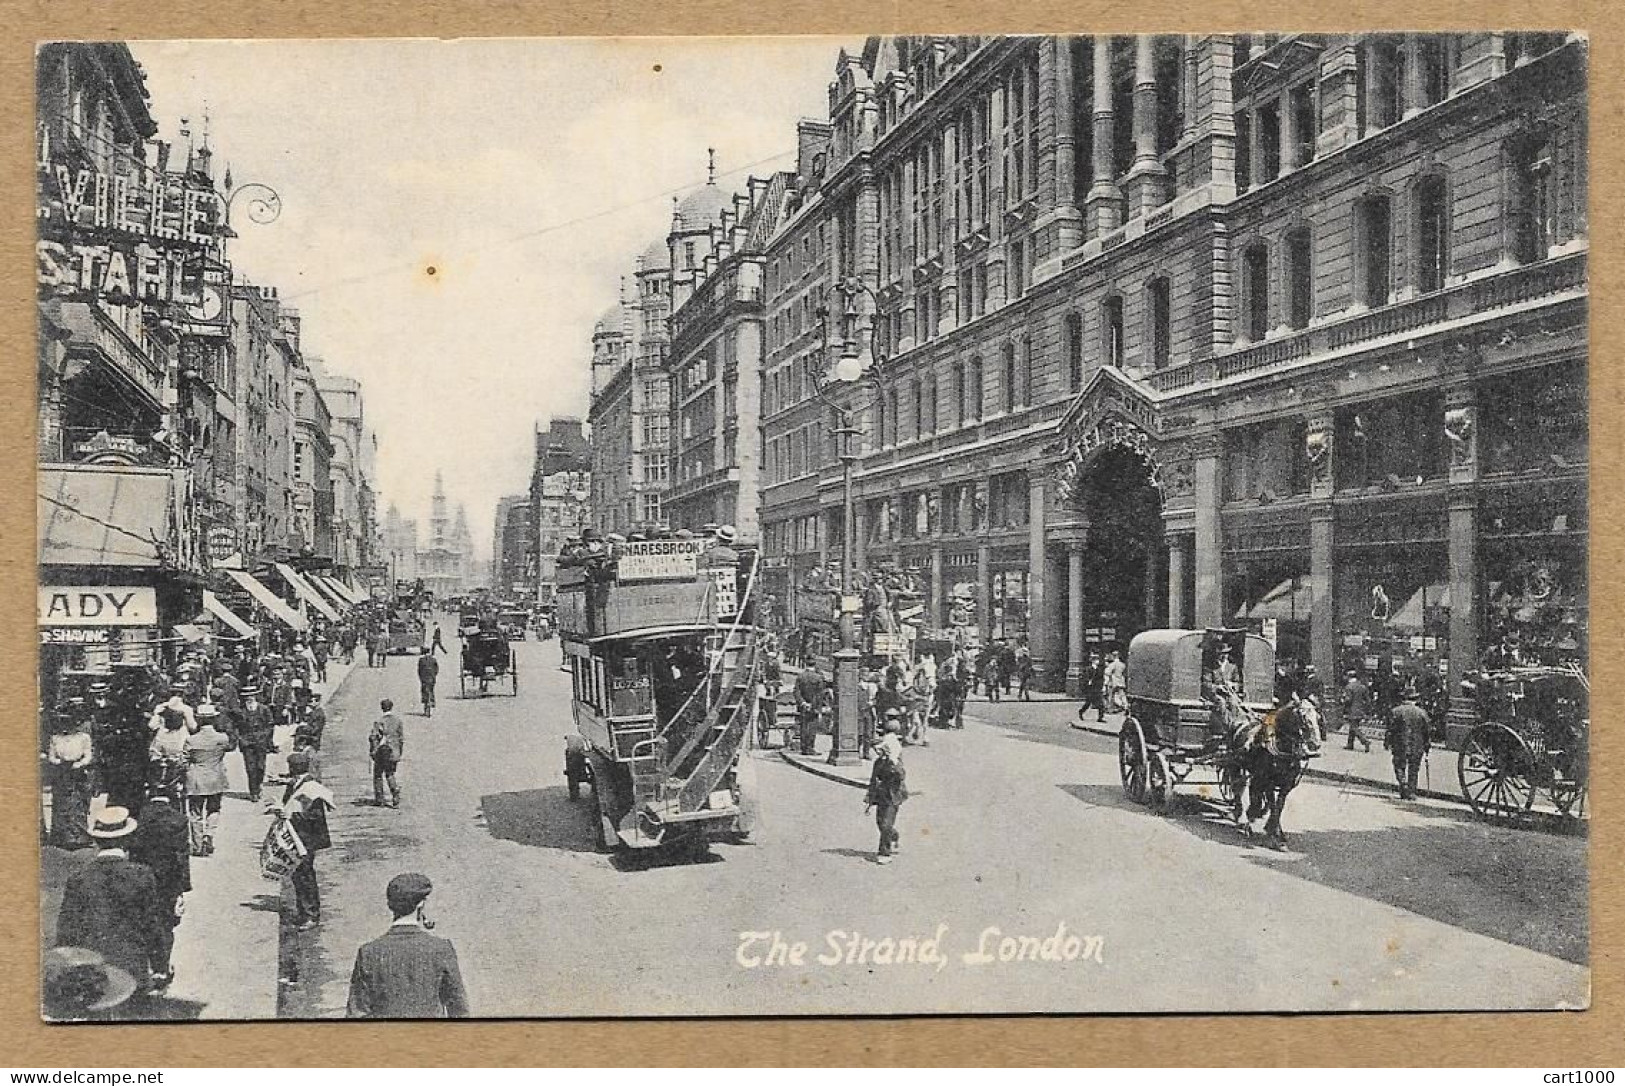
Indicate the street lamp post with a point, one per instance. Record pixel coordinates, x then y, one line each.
848 370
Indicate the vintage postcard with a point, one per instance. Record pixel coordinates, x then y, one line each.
560 528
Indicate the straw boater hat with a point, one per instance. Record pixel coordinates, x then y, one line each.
76 980
110 823
727 534
99 686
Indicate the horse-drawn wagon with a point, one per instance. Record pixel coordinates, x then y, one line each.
1200 712
1533 735
487 657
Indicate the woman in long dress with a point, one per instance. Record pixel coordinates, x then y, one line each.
69 756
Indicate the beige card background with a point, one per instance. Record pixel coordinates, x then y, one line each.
1547 1040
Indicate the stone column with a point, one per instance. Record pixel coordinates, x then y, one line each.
1040 627
1463 584
1373 100
1065 142
1179 548
1153 576
1102 210
1460 424
1144 184
984 591
1322 634
1061 227
1289 134
1209 539
1074 619
1190 71
938 610
1413 87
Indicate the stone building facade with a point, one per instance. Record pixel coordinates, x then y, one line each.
718 248
1286 332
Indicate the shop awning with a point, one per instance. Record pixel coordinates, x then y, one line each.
306 593
334 600
102 516
1410 616
1291 599
346 591
190 633
268 599
212 604
341 590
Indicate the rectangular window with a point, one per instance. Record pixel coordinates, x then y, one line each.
1434 55
929 405
1244 146
973 382
1533 211
1016 268
1383 71
1161 315
957 393
1074 351
919 407
1257 286
1269 143
1011 379
1300 278
1432 233
1376 240
1305 122
1112 330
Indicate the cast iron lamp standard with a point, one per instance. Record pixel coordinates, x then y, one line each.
848 371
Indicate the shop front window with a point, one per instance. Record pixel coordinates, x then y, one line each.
1274 598
1266 462
1392 606
1010 604
1535 421
1390 443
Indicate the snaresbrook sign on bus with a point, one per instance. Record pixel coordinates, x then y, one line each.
658 560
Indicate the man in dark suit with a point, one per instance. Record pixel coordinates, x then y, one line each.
1407 739
111 904
256 737
406 972
162 842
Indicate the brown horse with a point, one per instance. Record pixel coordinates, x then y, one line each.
1273 755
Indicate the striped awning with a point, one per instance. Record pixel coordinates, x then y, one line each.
268 599
212 604
306 592
344 591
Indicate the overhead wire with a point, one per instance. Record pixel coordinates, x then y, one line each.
540 231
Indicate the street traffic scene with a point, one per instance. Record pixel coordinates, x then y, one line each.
1082 525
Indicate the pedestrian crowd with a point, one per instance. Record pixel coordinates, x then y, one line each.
136 763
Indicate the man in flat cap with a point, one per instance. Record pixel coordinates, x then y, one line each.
406 972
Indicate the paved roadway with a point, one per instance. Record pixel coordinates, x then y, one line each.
1021 827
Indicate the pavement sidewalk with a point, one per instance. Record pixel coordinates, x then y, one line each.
1370 769
226 947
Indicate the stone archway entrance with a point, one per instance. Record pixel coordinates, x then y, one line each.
1109 522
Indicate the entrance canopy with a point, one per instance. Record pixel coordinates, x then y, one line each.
213 605
306 592
102 516
268 600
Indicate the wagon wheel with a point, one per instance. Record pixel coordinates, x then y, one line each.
1159 782
1569 792
1495 772
1131 759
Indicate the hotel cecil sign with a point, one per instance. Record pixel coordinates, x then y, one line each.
123 237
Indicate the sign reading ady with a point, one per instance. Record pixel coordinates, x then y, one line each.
97 605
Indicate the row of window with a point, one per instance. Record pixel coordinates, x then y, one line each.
798 535
794 454
939 192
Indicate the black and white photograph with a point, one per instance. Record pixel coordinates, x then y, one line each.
523 523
